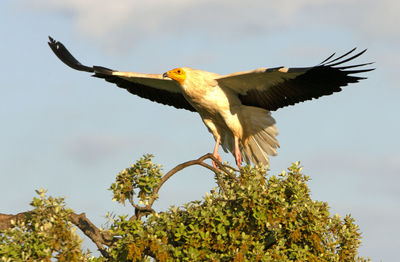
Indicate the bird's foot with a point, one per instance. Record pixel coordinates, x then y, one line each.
218 157
238 155
238 158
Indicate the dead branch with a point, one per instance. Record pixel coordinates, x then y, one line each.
5 220
100 238
199 161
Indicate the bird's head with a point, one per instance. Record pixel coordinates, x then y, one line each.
177 74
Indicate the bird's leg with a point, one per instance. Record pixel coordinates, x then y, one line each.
215 152
238 155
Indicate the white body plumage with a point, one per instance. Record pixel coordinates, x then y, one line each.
226 117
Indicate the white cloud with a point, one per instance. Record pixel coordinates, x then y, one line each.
129 21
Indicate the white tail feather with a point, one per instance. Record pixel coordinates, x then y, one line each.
259 135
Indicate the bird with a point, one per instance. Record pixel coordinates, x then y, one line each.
236 108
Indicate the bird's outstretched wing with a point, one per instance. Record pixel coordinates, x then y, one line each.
279 87
151 86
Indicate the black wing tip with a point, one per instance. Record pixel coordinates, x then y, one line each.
51 40
342 59
337 62
327 59
53 44
66 57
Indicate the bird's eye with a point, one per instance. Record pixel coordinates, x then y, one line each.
179 71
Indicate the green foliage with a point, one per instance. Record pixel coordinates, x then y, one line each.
44 233
143 176
254 218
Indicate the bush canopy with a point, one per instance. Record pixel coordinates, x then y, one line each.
250 216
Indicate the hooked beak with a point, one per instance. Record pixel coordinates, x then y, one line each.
165 74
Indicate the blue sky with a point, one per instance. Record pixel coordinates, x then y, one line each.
71 134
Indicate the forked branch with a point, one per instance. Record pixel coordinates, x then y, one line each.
223 169
104 238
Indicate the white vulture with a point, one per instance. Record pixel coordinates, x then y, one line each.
235 107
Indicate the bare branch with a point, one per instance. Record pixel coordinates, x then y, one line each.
133 202
98 237
199 161
5 220
91 231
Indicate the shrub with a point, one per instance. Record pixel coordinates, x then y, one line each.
249 217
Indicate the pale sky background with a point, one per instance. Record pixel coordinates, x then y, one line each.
71 134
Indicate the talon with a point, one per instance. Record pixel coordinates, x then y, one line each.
238 155
238 158
217 156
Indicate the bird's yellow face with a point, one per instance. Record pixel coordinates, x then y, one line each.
177 74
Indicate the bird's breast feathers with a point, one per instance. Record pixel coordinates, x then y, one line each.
203 92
